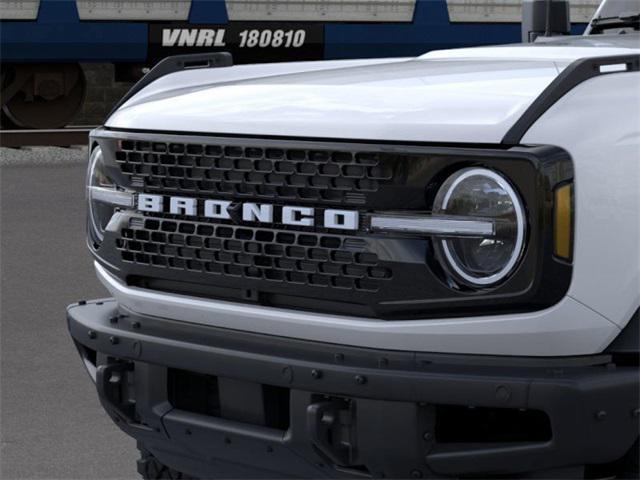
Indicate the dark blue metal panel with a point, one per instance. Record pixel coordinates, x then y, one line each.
59 36
208 11
79 42
578 28
58 11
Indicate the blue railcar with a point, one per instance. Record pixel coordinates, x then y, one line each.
42 41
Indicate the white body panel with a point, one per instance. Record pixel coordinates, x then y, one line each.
568 328
604 143
464 96
413 101
540 52
456 96
191 80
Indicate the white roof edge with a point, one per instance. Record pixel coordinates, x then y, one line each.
525 52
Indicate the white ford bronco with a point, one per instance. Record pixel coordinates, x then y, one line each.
397 268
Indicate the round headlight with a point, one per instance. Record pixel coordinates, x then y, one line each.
481 193
100 211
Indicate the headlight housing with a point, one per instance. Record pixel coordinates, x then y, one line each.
483 260
103 196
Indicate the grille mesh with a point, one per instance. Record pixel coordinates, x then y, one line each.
312 259
328 176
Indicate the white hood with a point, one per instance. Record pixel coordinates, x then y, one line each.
469 95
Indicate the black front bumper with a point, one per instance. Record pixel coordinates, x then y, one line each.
220 403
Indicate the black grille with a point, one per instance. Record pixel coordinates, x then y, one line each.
281 174
318 268
312 259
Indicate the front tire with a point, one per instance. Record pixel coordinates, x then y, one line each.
152 469
630 468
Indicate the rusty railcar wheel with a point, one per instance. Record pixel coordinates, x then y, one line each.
42 95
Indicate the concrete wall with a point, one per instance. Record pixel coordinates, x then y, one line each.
102 93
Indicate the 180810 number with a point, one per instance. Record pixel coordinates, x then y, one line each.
272 38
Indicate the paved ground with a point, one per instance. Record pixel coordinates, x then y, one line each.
52 425
42 156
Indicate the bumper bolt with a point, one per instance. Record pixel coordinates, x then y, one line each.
427 436
317 374
135 325
287 374
187 431
503 393
383 363
416 474
601 415
137 348
92 335
361 379
114 340
339 357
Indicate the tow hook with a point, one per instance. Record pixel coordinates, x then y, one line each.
110 382
330 424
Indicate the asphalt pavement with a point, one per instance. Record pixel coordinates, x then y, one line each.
51 423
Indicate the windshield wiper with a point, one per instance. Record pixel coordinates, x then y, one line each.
599 25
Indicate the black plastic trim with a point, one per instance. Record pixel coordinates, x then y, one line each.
388 396
628 341
576 73
112 132
175 64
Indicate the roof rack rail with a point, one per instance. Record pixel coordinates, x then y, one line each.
577 72
174 64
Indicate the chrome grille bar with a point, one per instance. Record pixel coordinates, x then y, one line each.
433 225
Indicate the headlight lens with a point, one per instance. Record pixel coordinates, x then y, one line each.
484 260
103 195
